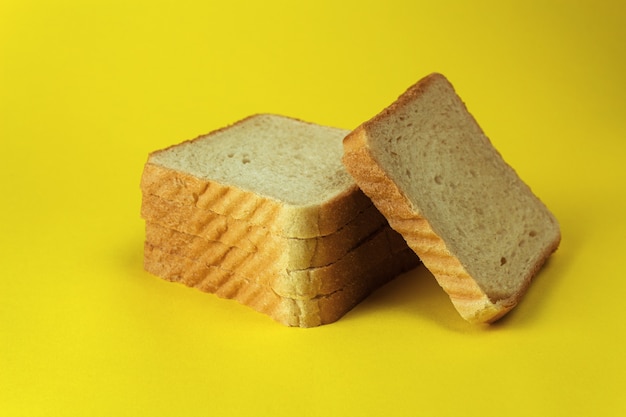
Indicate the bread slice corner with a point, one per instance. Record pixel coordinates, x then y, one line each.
432 172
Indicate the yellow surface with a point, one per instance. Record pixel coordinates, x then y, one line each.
87 89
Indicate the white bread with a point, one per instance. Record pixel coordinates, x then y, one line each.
264 212
269 170
305 283
296 312
435 176
289 253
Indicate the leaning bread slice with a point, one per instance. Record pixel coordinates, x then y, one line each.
297 312
272 171
435 176
304 283
288 253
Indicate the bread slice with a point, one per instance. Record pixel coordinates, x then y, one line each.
253 171
305 283
288 253
435 176
296 312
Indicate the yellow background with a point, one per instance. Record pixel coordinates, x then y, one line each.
87 89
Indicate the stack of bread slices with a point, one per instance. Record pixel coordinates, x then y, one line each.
264 212
302 221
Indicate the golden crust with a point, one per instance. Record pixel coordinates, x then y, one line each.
299 312
297 284
291 253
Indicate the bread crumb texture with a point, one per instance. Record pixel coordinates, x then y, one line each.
430 169
266 154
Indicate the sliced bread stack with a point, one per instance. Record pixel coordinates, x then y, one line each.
264 212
